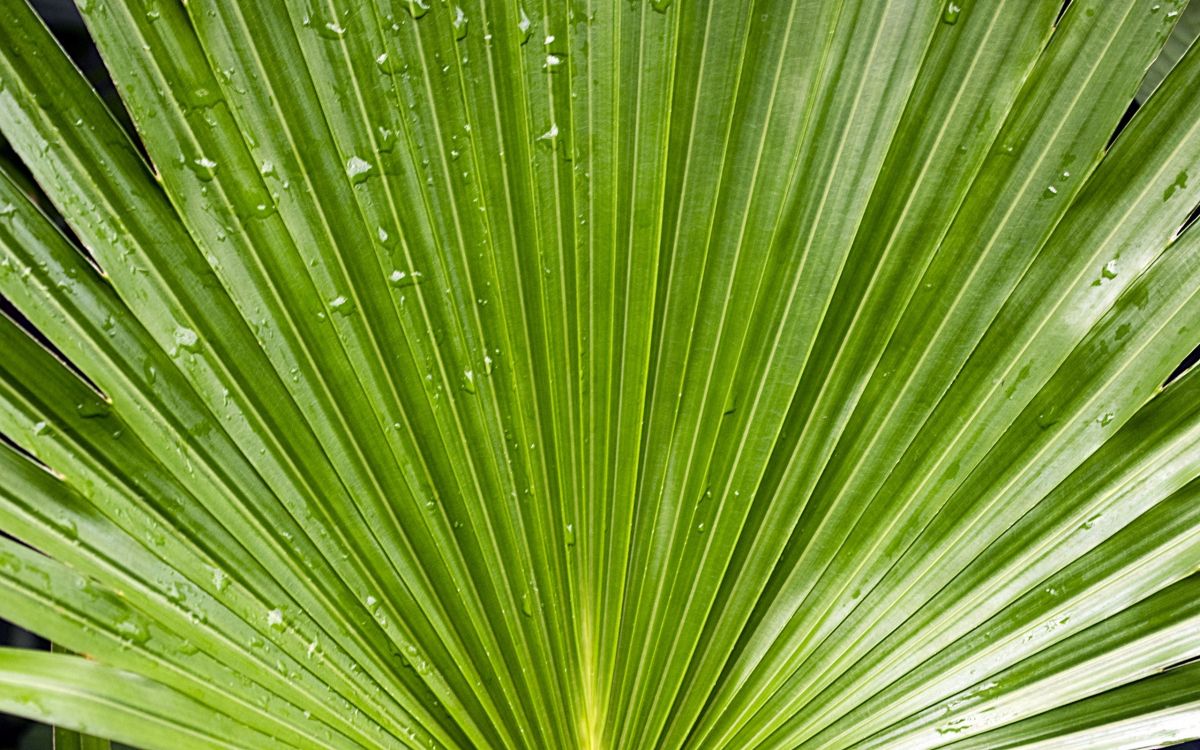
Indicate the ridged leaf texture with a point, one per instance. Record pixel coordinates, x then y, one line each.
603 374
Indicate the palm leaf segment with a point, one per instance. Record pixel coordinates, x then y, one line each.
604 374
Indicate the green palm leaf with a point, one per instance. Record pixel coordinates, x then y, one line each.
771 373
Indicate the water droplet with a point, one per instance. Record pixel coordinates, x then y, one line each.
416 8
40 428
468 383
93 408
133 631
331 30
1047 418
951 13
954 727
460 23
387 137
357 169
1179 183
341 304
7 210
527 604
553 61
398 278
187 339
550 134
201 97
661 5
220 580
275 619
1109 271
1050 192
524 26
570 535
388 64
1104 418
204 168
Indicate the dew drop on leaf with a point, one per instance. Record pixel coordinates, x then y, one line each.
262 210
187 339
460 23
201 97
357 169
1047 419
93 408
416 8
133 631
387 64
1179 183
525 26
204 168
398 278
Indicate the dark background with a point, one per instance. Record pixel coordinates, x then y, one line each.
65 22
